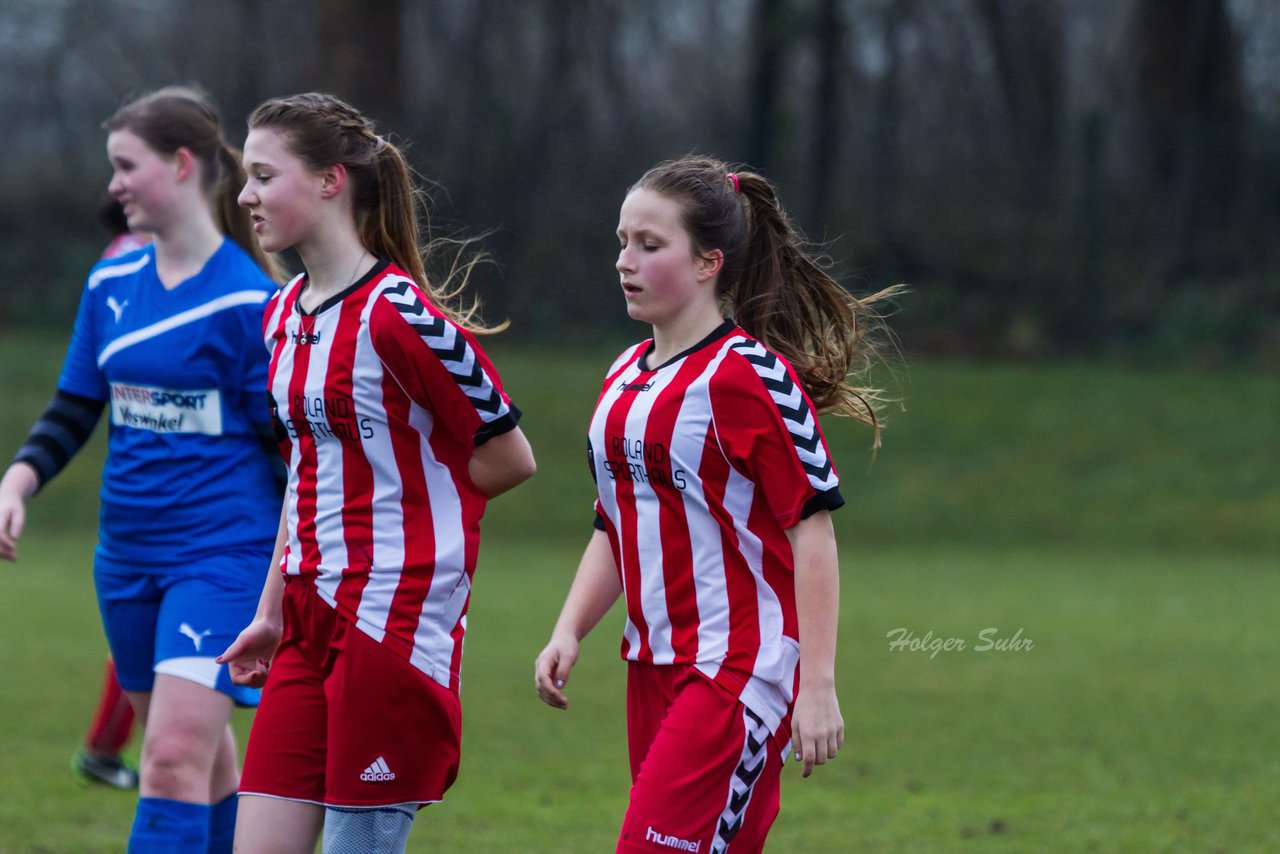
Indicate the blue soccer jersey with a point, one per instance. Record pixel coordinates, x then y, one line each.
185 374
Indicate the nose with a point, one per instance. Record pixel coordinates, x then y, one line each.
245 199
624 262
115 186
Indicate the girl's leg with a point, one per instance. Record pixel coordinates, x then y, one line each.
268 825
113 720
99 759
185 727
225 780
376 830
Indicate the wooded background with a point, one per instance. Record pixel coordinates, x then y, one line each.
1096 178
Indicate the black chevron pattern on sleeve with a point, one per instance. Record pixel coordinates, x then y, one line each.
452 348
796 413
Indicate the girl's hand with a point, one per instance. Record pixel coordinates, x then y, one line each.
249 656
817 730
551 670
13 515
18 484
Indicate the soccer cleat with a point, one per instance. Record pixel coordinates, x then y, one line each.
111 771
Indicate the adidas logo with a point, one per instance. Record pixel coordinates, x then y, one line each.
378 772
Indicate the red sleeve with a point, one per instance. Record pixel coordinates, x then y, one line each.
768 430
439 365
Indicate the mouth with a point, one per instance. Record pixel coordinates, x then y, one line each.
257 222
631 290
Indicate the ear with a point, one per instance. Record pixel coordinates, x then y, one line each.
709 264
332 179
184 163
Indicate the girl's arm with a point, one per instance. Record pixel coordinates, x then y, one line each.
503 462
817 730
249 656
595 588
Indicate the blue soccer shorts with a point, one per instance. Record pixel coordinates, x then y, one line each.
177 621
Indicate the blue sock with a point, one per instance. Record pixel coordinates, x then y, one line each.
222 825
162 826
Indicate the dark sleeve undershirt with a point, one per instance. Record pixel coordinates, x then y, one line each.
58 434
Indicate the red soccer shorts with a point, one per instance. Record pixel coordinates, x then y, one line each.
344 721
705 770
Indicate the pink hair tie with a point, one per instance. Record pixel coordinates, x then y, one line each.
733 179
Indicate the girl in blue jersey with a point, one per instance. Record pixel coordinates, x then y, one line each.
168 338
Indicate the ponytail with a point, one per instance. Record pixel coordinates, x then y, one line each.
323 130
390 228
787 299
775 290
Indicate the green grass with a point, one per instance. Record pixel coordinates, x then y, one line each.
1124 521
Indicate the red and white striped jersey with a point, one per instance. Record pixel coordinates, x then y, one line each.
701 465
380 401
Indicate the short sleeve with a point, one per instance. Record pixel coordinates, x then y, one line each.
440 366
768 430
80 372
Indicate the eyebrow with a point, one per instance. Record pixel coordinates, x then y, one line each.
642 232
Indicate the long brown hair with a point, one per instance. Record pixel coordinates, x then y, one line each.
183 117
323 130
774 289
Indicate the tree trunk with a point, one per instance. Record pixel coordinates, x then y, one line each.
768 37
363 65
826 109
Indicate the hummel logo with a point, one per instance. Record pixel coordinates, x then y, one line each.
378 772
196 637
671 840
117 308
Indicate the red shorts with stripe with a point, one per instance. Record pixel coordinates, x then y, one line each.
344 721
705 770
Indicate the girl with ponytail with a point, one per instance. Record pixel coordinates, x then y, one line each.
169 336
713 516
396 431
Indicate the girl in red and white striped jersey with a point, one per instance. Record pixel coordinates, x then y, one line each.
713 513
396 431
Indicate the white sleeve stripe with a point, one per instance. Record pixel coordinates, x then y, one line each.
191 315
99 276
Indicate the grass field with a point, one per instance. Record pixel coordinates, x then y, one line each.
1125 523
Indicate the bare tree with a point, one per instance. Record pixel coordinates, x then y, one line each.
769 37
1187 98
363 54
829 31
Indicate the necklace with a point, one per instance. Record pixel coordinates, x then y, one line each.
352 279
305 299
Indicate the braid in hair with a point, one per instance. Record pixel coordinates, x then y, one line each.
323 130
774 289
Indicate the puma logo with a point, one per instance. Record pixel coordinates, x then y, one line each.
117 308
196 637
